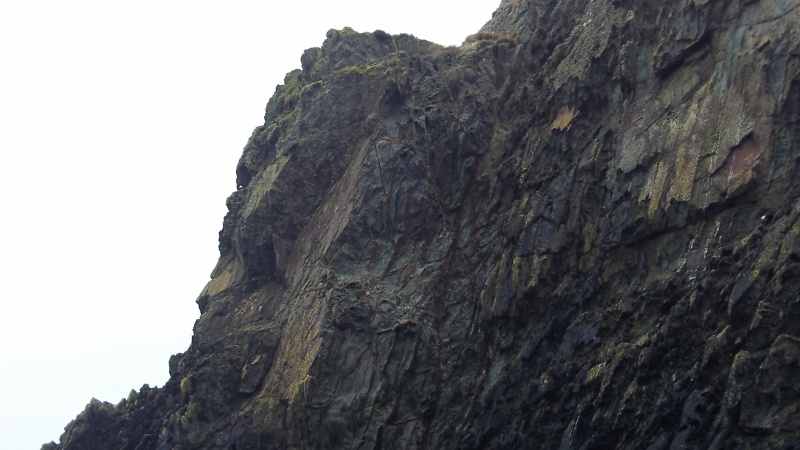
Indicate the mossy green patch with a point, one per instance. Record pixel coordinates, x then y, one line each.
354 71
288 119
263 184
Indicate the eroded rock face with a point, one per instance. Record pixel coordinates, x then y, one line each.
577 230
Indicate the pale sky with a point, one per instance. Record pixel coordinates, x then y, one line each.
120 128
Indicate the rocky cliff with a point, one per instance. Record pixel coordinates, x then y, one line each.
580 229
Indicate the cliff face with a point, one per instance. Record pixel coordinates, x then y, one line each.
578 230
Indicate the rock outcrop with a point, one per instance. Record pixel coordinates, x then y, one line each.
580 229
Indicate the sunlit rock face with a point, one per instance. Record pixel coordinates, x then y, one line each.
577 230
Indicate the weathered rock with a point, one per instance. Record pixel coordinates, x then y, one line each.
577 230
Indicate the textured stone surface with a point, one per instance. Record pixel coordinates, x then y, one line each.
577 230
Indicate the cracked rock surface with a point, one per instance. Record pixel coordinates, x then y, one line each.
580 229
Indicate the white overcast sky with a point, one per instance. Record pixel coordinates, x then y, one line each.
120 127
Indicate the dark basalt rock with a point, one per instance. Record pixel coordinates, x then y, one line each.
577 230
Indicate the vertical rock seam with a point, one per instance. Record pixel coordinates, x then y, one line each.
579 229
